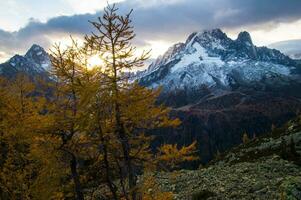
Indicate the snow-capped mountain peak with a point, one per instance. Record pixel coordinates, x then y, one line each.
210 58
37 54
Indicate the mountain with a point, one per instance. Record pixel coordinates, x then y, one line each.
291 48
212 60
221 88
35 62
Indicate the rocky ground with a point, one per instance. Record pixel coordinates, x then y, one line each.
265 168
268 178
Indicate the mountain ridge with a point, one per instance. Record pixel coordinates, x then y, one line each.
210 52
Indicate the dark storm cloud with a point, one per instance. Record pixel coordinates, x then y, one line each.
37 32
166 21
186 16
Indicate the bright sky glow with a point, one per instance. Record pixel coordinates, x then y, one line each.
158 47
95 61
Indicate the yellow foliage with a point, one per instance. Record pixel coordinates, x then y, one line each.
171 155
97 115
23 162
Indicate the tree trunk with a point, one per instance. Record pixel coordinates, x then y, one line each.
120 129
109 182
108 179
75 177
126 153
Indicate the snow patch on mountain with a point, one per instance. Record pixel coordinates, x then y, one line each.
198 56
38 55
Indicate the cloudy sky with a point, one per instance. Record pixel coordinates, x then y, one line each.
158 23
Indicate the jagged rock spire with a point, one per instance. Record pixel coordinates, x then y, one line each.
244 37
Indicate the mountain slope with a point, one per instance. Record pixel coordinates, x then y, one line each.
221 88
267 167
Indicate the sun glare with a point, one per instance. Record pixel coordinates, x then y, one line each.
158 47
95 61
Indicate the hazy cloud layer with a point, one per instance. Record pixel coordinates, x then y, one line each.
289 47
162 20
